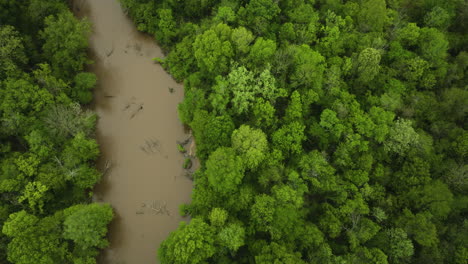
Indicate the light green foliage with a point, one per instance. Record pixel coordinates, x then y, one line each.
261 52
146 17
368 64
64 121
34 240
437 18
86 225
22 97
225 14
224 170
251 144
262 212
287 195
264 113
350 144
232 237
415 69
332 43
190 244
11 52
55 86
294 110
212 49
39 144
221 95
362 232
399 246
218 217
318 171
53 177
306 24
379 214
275 253
245 86
47 155
66 41
181 60
312 237
79 150
330 122
287 32
75 156
289 138
181 148
27 164
34 193
390 101
409 34
242 38
194 99
363 124
401 137
309 68
166 26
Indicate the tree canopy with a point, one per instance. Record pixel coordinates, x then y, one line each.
328 131
47 149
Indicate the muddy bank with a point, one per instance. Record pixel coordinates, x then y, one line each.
137 132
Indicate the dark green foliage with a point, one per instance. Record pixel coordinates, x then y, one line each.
214 130
328 131
47 153
65 37
84 82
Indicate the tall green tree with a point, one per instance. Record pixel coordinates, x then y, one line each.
65 43
213 49
86 225
12 54
224 170
251 144
190 243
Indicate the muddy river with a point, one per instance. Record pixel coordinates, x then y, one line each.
137 131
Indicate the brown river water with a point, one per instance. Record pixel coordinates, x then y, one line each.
137 131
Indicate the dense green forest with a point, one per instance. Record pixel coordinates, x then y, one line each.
47 150
328 131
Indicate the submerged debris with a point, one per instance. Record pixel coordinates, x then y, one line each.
138 109
151 146
156 207
109 52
